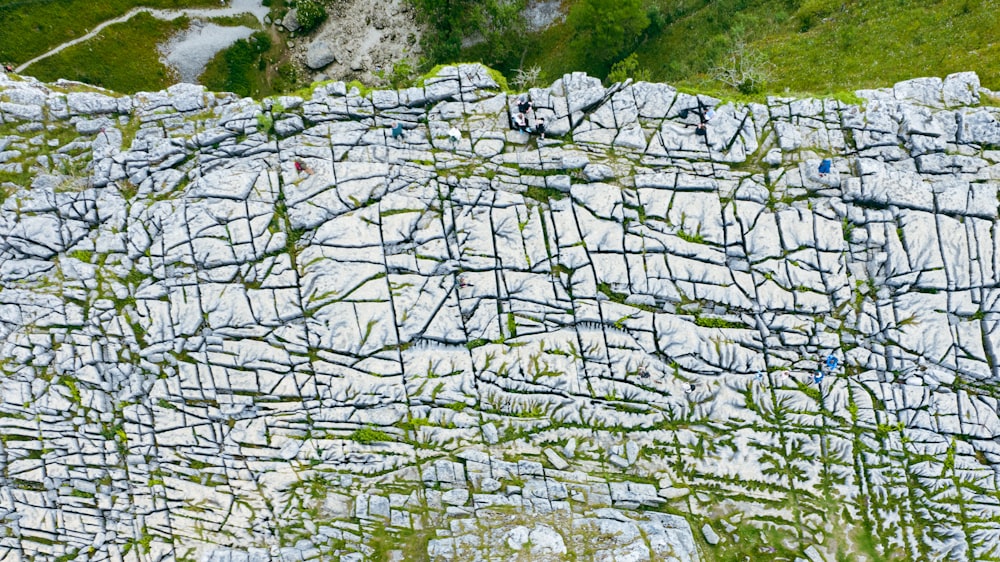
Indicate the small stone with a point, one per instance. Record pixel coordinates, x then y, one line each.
631 452
673 493
291 20
490 434
558 462
711 537
570 449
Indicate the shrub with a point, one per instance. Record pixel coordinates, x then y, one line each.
607 28
746 69
627 68
310 14
368 435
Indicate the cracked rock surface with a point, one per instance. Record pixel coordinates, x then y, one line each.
250 331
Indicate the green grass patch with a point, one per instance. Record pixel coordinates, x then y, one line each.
718 323
543 194
819 47
123 57
256 67
369 435
33 27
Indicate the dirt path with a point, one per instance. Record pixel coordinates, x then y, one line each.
235 7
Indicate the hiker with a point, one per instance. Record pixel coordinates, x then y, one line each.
397 131
8 67
520 124
524 105
454 135
690 389
824 167
831 362
818 378
540 128
301 167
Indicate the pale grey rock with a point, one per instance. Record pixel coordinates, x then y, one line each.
21 112
291 20
545 541
631 451
490 434
961 88
455 497
320 53
220 308
91 103
553 457
288 126
711 537
924 91
187 97
598 172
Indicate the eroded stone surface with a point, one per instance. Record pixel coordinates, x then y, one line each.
503 346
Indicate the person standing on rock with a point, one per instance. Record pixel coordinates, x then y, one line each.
397 131
454 135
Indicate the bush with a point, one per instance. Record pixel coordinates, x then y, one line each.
628 68
606 29
746 69
499 24
260 41
310 14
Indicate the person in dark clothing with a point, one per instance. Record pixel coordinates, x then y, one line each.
540 128
824 167
524 105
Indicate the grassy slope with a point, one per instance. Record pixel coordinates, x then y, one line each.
32 27
816 45
123 57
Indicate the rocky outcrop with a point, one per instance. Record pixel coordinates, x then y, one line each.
240 330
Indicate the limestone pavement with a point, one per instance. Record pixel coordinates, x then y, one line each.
237 330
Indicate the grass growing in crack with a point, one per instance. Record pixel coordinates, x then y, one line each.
718 323
544 194
368 435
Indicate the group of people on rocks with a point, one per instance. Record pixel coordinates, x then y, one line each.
399 133
704 113
521 120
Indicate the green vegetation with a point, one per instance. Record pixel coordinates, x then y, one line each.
370 435
32 27
236 69
499 23
757 46
718 323
310 13
605 30
123 57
